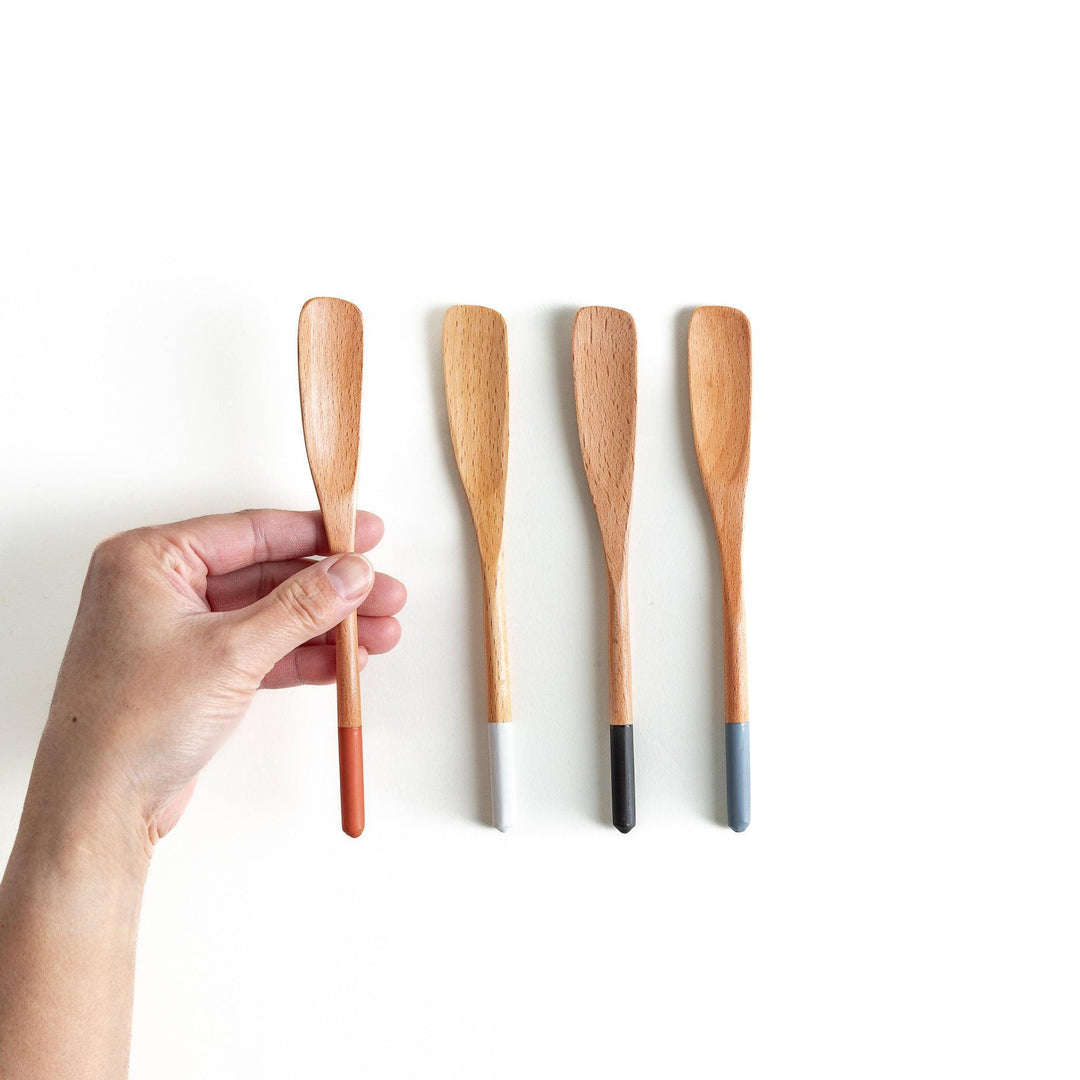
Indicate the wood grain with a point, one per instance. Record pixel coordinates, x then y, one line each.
475 369
719 365
605 393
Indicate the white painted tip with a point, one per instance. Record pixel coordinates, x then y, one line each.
503 787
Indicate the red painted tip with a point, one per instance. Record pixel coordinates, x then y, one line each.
351 765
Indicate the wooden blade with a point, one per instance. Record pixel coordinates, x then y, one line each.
330 345
605 392
719 350
475 365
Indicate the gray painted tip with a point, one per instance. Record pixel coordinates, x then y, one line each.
737 745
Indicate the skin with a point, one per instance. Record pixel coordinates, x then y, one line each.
177 628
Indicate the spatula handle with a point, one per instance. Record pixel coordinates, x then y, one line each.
350 733
500 746
736 708
498 668
620 704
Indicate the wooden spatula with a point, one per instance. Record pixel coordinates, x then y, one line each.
719 352
477 400
330 345
605 390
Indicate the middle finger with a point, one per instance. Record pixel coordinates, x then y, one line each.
239 588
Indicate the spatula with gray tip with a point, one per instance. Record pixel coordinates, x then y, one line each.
719 362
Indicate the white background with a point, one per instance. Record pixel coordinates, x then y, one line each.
890 193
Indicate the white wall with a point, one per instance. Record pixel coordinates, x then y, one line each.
890 194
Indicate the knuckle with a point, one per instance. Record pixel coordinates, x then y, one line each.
307 600
117 551
171 549
260 541
233 659
117 556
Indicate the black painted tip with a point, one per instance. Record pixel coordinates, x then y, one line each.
623 801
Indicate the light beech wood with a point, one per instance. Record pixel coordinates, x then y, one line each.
330 345
719 364
475 363
605 393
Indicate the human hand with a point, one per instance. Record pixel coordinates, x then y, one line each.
177 627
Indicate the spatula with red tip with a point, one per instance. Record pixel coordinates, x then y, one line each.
330 347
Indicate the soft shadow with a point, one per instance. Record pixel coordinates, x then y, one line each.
560 327
475 689
708 536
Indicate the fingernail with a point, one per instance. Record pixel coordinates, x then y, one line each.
351 575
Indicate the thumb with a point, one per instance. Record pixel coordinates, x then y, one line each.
302 607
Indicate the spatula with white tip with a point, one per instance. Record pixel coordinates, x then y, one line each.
475 366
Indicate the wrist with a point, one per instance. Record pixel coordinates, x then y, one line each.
83 828
84 841
69 915
83 812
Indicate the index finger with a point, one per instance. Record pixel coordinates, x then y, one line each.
227 542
